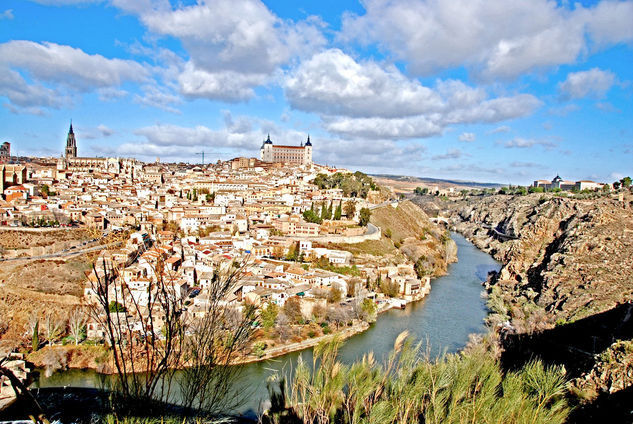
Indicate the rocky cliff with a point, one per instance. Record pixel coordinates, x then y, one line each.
565 291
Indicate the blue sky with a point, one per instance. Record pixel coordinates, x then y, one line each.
486 90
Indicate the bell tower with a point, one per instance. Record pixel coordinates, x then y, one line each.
71 143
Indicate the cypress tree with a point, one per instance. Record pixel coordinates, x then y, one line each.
339 211
35 339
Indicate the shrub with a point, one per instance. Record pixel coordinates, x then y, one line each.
259 348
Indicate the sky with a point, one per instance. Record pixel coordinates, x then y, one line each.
483 90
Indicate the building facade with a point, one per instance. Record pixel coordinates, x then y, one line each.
72 163
5 152
272 153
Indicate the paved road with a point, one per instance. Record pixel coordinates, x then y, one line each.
62 254
380 205
371 229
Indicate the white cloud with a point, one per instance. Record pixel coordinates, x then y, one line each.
225 85
27 98
7 14
243 136
377 128
46 75
65 2
594 83
362 99
333 83
500 129
520 164
450 154
467 137
610 22
109 94
524 143
159 97
495 38
68 65
564 110
233 46
104 130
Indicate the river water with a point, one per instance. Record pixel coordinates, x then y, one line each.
442 320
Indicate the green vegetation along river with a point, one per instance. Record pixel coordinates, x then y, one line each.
444 319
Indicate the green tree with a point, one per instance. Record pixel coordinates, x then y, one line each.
269 315
350 209
335 295
35 338
323 211
310 216
626 182
368 306
329 211
390 288
293 252
339 211
116 307
365 214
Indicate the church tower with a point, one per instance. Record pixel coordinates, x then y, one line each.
266 152
71 143
307 155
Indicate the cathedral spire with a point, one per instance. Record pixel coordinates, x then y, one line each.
71 143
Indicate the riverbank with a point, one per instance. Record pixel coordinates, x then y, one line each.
442 321
563 293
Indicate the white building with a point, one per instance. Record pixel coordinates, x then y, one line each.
286 154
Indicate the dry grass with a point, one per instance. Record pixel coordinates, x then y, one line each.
10 239
46 276
381 247
407 220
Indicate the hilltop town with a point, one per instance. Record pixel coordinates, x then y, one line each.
319 250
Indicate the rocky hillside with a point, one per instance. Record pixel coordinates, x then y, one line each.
565 291
415 236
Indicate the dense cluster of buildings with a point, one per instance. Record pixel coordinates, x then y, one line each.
193 220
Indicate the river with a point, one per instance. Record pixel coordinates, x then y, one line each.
443 319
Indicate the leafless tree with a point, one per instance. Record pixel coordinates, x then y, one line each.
151 339
213 341
76 323
283 327
145 338
338 315
292 309
54 326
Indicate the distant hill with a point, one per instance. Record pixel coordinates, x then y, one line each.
408 180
